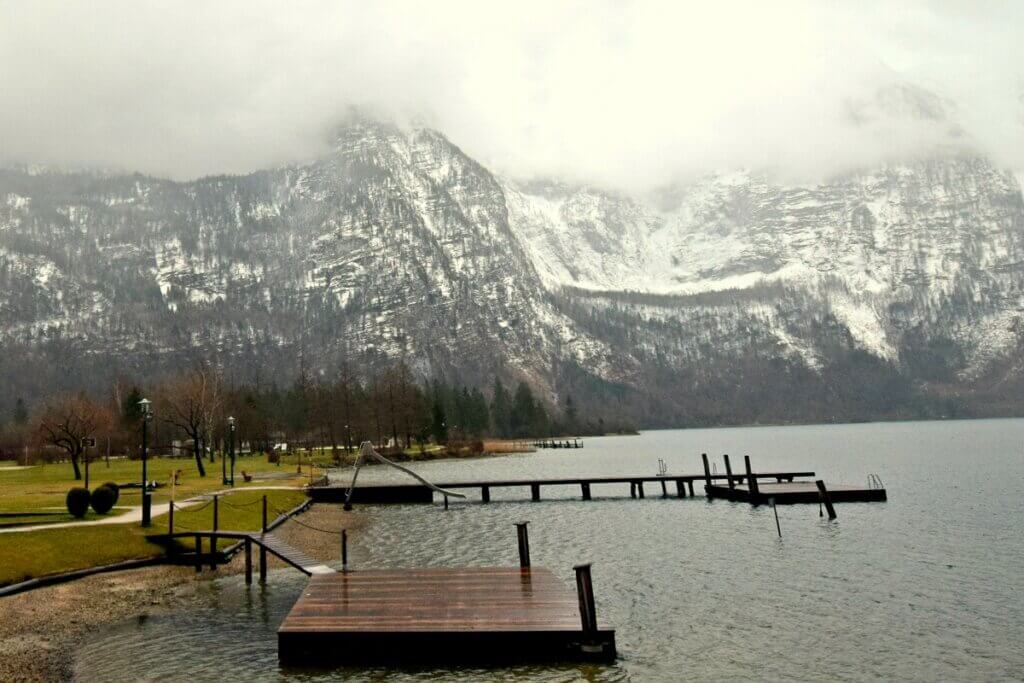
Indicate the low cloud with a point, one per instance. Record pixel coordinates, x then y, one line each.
627 94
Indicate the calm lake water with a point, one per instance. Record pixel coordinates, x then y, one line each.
928 586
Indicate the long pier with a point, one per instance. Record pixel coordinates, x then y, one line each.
682 485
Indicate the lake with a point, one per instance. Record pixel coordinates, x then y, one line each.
927 586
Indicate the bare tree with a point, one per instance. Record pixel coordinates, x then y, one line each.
66 421
183 404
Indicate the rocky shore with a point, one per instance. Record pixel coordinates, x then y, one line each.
40 629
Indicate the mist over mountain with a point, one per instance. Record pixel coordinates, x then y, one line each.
893 291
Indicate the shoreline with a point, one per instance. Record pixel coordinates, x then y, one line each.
41 629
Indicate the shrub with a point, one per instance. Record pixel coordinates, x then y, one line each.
103 499
116 489
78 502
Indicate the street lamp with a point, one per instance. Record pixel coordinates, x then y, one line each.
147 414
231 447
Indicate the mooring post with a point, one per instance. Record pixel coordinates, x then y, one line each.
728 472
586 490
707 469
344 550
485 493
248 562
585 591
751 479
263 550
524 544
535 491
776 511
199 553
213 537
826 499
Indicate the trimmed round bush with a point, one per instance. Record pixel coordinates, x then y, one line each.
78 502
115 488
103 499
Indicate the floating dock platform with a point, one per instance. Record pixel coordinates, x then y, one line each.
439 615
795 492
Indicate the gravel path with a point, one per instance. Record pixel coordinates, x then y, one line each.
40 629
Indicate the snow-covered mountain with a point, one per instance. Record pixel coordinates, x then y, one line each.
895 291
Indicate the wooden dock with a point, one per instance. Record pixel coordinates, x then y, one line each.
439 615
677 485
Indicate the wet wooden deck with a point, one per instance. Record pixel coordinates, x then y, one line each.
439 615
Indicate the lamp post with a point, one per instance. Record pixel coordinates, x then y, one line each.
147 415
223 468
231 446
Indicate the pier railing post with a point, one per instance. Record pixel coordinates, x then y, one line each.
585 591
248 562
213 537
751 479
524 544
707 469
728 472
263 550
826 499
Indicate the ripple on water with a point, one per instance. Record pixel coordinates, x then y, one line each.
926 586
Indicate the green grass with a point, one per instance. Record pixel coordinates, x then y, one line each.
33 554
45 486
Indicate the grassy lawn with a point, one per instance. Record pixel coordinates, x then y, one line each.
43 488
51 551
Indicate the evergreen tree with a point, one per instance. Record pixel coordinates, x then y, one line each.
131 411
501 410
439 425
20 412
524 411
570 413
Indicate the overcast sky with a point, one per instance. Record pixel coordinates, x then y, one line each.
628 94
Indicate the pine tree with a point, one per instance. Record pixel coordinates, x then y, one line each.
501 410
131 411
524 411
20 412
439 425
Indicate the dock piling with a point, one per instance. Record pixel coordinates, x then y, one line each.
170 517
586 490
535 492
728 472
344 549
707 469
248 562
664 489
826 499
485 494
776 511
524 544
585 591
680 488
751 479
199 553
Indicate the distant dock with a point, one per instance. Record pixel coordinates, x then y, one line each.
558 443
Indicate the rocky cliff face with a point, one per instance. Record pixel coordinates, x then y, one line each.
876 294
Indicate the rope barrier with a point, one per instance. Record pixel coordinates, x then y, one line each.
279 511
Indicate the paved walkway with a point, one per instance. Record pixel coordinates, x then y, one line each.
134 514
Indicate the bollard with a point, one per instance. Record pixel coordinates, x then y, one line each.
524 544
826 499
728 472
585 591
344 549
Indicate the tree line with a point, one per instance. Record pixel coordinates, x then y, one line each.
389 406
